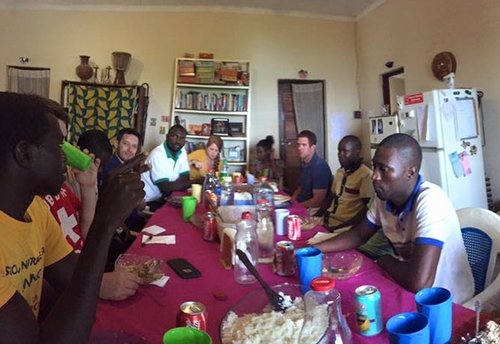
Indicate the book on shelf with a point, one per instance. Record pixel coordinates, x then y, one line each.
186 68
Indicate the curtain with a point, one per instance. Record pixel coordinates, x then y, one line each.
309 112
29 80
107 108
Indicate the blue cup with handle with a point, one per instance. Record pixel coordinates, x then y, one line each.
435 303
309 265
408 328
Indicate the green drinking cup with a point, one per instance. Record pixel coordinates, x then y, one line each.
188 207
186 335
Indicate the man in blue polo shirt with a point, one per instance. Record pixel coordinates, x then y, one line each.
315 174
169 167
419 220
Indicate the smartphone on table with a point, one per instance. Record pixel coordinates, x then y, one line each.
183 268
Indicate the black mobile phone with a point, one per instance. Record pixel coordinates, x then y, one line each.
183 268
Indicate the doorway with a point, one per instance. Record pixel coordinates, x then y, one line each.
393 85
301 106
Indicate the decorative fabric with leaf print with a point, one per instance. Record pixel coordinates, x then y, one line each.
107 108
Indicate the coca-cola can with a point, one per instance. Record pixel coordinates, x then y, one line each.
192 314
210 227
284 258
294 227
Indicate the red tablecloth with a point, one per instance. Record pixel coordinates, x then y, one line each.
153 310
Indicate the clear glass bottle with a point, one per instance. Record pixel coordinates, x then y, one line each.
263 190
265 232
227 194
324 322
245 240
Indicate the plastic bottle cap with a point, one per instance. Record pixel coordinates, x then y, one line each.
246 215
322 283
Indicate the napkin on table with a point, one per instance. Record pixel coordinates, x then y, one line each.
159 239
153 230
321 236
160 282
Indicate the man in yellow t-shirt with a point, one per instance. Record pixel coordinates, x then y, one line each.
27 247
32 247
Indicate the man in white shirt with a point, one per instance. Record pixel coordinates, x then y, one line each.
418 219
169 167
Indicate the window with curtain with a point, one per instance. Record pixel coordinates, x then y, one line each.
30 80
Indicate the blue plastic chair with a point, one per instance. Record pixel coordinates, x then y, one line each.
481 235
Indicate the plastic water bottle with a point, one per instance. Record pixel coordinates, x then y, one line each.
217 188
224 173
324 322
227 194
265 233
245 240
263 190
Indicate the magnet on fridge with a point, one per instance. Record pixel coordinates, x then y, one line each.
410 114
458 168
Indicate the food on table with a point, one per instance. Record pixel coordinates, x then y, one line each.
148 268
490 335
268 327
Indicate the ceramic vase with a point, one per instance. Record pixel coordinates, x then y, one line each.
84 71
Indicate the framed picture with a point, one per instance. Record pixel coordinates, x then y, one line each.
220 126
206 129
236 129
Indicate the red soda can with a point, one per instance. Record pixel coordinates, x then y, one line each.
210 227
284 258
294 227
192 314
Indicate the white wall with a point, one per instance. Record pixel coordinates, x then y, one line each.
411 32
277 46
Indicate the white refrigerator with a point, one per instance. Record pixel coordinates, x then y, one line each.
447 125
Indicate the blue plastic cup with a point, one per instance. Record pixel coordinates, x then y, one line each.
435 303
408 328
309 265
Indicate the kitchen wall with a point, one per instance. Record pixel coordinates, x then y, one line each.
411 32
277 46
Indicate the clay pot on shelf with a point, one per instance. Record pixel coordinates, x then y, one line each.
84 71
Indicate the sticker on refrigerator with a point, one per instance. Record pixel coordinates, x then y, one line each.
414 99
464 161
458 169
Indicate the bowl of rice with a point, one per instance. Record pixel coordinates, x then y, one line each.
252 319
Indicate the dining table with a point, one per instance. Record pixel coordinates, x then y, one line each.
153 310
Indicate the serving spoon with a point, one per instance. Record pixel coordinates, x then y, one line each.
276 300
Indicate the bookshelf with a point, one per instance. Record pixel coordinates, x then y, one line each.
213 97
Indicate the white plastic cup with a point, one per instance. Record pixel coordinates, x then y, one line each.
280 216
196 191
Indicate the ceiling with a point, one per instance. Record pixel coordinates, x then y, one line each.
346 9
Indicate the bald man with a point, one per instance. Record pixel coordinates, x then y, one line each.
418 219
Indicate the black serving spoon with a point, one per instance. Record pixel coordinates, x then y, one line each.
276 300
